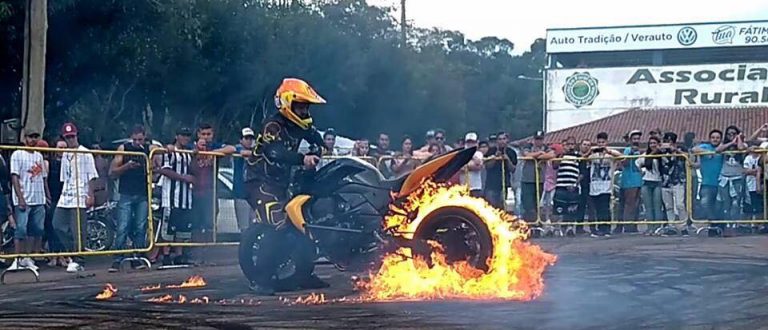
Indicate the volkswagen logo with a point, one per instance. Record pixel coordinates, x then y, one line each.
686 36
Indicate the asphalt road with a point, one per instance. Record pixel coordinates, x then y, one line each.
617 283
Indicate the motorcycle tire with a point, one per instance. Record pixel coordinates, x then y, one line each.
296 253
100 235
451 216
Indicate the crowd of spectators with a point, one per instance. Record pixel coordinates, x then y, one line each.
569 181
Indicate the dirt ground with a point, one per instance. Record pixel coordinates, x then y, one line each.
617 283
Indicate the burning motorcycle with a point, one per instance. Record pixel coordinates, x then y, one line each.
338 212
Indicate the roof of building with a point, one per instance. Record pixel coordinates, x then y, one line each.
700 121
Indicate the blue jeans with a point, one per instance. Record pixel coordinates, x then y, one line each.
29 222
709 203
132 214
731 195
651 196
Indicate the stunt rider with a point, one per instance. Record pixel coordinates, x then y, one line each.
268 174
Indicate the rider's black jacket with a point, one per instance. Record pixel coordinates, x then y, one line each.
275 151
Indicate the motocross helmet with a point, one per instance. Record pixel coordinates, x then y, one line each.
292 92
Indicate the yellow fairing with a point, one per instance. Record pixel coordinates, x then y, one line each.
415 178
293 209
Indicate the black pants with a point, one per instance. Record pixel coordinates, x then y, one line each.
494 197
267 201
583 208
602 205
529 200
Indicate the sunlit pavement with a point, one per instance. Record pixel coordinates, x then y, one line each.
621 282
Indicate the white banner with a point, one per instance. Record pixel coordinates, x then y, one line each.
737 34
577 96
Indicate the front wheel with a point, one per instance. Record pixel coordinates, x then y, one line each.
283 257
462 234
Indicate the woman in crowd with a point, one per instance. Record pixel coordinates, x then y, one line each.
651 190
404 161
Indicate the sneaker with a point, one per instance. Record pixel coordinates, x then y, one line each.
595 235
167 260
684 232
15 265
74 267
28 263
607 235
138 265
112 269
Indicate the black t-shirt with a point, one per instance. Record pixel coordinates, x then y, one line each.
493 172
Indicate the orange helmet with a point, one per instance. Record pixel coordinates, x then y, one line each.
296 90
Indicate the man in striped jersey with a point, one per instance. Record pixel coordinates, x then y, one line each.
177 183
567 191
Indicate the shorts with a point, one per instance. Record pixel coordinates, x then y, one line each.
566 201
204 210
30 222
179 228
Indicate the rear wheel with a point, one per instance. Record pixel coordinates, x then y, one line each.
462 234
293 255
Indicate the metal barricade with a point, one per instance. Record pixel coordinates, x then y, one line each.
727 190
208 203
84 214
397 165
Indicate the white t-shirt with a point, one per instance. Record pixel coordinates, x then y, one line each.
751 162
600 174
475 177
30 168
77 171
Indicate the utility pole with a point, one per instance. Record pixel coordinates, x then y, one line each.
33 81
403 25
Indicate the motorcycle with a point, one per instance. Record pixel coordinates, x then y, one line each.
338 212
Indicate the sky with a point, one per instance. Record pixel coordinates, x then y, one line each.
524 21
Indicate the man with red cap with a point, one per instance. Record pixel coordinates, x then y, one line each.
78 169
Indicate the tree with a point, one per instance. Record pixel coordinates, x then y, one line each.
114 63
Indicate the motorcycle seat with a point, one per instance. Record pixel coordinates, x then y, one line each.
395 183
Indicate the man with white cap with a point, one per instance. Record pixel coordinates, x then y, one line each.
472 174
243 211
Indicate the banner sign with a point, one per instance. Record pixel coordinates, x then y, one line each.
736 34
576 96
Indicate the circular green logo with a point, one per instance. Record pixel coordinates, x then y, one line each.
580 89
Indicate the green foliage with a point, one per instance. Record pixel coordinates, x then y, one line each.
114 63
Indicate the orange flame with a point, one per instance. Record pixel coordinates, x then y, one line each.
194 281
515 268
311 299
203 300
151 288
109 292
161 299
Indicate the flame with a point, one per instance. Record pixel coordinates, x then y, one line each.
151 288
203 300
161 299
109 292
311 299
194 281
515 268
